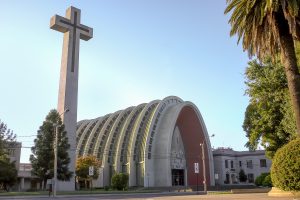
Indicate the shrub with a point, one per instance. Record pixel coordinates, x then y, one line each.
260 179
119 181
285 170
267 182
106 188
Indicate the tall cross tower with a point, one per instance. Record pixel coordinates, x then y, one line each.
68 85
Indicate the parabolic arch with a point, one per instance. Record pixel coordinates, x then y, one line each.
139 141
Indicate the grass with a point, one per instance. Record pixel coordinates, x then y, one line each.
78 192
23 193
219 192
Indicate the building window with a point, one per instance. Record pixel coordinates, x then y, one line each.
249 164
227 180
240 163
231 164
263 163
250 178
226 163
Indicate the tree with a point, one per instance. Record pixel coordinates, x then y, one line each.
285 169
242 176
6 137
269 27
8 171
119 181
269 115
42 157
82 167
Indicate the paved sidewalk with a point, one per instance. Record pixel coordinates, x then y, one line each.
253 196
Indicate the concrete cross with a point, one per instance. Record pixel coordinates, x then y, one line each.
77 31
68 84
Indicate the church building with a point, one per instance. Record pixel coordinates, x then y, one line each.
156 143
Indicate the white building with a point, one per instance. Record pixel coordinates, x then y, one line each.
155 143
228 163
25 180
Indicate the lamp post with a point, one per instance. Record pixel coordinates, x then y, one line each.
203 163
55 155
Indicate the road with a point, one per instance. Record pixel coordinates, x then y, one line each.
159 196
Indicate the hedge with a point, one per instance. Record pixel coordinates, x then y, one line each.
285 170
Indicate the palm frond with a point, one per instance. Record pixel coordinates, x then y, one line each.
253 22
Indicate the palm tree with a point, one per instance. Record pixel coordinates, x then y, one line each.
269 27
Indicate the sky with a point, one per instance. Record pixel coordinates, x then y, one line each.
141 51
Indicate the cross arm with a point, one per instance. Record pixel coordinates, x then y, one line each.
56 24
86 33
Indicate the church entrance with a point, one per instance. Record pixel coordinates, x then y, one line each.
177 177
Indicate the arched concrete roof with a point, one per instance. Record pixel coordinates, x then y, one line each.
138 140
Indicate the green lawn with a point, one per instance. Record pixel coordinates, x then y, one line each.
219 192
94 191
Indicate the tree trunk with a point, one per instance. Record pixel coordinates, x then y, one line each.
6 187
45 184
289 61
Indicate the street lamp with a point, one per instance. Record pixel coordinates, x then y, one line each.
55 154
203 163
